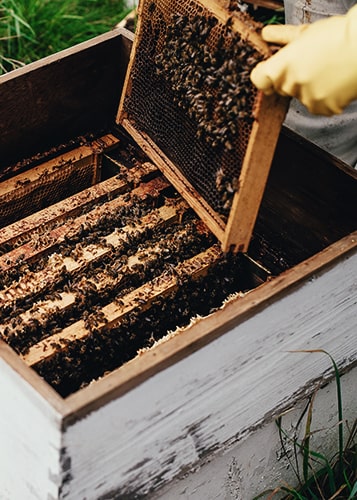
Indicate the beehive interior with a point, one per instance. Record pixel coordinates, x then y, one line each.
190 99
88 281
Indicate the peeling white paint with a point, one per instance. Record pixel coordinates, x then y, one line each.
30 441
209 401
257 462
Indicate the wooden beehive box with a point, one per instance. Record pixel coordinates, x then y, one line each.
169 420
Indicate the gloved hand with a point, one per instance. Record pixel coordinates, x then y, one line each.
318 65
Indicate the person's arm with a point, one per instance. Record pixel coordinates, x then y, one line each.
318 64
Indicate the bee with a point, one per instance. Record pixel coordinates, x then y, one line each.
22 182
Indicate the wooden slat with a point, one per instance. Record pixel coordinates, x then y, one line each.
254 173
266 4
221 9
178 180
34 283
53 180
80 156
53 215
114 313
63 301
40 245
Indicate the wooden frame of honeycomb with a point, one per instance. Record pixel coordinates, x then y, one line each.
246 186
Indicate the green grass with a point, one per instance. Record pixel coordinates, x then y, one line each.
267 16
32 29
319 477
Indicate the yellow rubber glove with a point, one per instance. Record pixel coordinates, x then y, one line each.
318 65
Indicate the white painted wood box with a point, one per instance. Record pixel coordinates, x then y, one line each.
191 417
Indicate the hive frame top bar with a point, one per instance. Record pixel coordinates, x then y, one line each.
222 10
246 185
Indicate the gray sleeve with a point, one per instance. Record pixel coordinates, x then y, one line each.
308 11
337 134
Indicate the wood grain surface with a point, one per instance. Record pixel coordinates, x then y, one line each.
60 97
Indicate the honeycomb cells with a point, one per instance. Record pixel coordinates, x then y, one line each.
191 93
55 185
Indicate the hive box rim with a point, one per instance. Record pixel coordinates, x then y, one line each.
62 54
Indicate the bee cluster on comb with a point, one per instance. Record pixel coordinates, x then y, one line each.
211 84
88 282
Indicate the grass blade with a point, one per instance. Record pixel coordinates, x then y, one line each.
294 493
339 403
353 493
283 434
306 441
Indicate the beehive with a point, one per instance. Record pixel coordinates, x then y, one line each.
86 424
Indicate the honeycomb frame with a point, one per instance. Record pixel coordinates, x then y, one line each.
204 124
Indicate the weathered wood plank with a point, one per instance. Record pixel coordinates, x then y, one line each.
203 332
258 462
27 401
